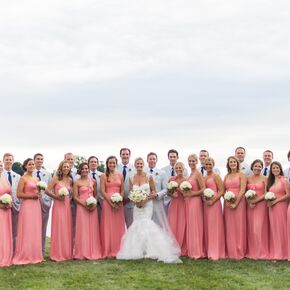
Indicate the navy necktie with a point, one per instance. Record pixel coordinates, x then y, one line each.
172 172
265 171
9 178
124 171
202 170
151 170
38 174
94 175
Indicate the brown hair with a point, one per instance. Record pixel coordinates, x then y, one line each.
81 166
271 177
59 172
107 167
25 162
256 161
172 151
228 162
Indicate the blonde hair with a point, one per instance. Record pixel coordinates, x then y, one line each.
179 163
193 156
209 159
137 159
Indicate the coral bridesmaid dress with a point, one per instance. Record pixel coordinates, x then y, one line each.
235 223
278 224
194 223
29 233
87 239
61 247
177 219
258 226
214 225
112 222
6 241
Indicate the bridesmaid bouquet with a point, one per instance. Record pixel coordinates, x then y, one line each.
185 186
250 194
41 185
270 196
171 186
6 199
91 201
116 197
208 193
229 196
63 192
137 195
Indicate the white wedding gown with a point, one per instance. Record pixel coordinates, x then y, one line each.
146 239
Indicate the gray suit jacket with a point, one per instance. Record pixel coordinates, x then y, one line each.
160 182
46 177
98 176
15 179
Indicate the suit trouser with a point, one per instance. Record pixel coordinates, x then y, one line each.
128 209
45 216
14 226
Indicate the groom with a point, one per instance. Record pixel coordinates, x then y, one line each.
128 171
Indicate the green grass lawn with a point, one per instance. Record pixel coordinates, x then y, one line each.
148 274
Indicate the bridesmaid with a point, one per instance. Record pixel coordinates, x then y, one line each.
194 212
278 212
61 225
6 241
213 216
113 218
176 209
29 232
257 215
235 212
87 239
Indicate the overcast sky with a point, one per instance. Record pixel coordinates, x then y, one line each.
93 76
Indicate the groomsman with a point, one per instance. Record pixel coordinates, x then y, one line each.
267 157
240 154
287 171
128 171
45 200
172 155
203 154
159 178
13 179
93 162
70 158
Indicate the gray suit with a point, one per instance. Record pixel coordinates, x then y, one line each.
128 208
16 202
245 168
45 202
99 194
168 170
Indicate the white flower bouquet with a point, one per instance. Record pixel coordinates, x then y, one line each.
229 196
208 193
171 186
63 192
116 197
270 196
41 185
185 186
137 195
91 201
250 194
6 199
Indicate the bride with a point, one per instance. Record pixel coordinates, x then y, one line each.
145 238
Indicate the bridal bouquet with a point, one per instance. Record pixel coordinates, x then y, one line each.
171 186
91 201
137 195
208 193
41 185
250 194
185 186
270 196
229 196
6 199
116 197
63 192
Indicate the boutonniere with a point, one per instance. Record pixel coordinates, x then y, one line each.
130 169
14 175
156 173
43 174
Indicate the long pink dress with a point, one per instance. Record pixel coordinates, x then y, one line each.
278 224
87 239
258 226
61 247
29 232
214 225
177 219
194 223
235 223
6 241
112 222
